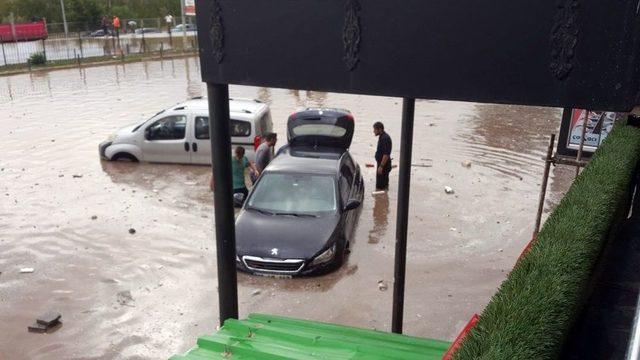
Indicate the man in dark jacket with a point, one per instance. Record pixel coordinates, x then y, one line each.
383 157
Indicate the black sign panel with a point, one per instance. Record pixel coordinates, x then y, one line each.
565 53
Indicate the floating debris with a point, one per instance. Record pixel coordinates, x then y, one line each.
45 322
124 298
382 286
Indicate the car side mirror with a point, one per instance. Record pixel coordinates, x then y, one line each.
352 205
238 200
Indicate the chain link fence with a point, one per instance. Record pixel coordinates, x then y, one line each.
83 42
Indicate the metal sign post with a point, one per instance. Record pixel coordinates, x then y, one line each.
402 222
184 26
218 95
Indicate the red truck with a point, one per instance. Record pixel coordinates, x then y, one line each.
26 31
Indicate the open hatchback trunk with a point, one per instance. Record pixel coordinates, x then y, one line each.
321 127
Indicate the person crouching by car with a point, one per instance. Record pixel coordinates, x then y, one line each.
239 163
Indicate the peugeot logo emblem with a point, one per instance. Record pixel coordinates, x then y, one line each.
274 251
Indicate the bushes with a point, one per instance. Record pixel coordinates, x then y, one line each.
532 313
37 59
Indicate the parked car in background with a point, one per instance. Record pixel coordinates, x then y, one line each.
300 217
187 27
100 32
180 134
147 31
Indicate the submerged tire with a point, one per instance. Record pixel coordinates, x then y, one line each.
124 157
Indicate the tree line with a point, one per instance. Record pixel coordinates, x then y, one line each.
86 12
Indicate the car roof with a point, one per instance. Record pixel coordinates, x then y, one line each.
320 160
326 111
238 106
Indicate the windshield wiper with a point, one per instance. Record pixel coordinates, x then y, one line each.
260 210
295 214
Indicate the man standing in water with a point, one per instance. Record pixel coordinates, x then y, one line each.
383 157
169 21
264 153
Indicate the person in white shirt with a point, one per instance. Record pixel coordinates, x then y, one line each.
169 20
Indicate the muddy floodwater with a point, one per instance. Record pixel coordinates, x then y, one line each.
148 295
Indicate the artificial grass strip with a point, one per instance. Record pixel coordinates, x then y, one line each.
532 313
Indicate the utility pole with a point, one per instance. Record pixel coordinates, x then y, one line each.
184 26
13 27
64 20
66 28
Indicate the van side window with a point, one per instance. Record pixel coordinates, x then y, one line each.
240 128
202 127
265 123
237 128
168 128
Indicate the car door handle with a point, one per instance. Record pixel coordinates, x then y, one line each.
194 147
186 146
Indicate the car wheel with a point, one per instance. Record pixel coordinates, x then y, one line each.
124 157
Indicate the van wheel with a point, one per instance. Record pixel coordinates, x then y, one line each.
124 157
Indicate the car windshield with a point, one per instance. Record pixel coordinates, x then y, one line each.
294 194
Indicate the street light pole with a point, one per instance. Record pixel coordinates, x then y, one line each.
64 20
184 26
66 28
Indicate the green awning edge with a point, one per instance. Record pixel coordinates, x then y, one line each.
268 337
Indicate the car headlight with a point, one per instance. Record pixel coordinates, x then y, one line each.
325 257
111 137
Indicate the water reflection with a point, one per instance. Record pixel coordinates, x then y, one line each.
194 86
311 98
264 95
509 139
380 218
9 91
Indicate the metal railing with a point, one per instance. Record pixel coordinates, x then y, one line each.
140 36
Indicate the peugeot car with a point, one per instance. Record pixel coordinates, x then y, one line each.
300 217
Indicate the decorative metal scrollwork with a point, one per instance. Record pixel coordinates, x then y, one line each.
351 34
564 38
216 31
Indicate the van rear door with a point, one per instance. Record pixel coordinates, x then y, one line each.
321 127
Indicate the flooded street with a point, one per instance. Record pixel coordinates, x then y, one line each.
66 214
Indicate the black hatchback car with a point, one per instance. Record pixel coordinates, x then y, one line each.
301 215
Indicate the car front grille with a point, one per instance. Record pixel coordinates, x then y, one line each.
288 266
